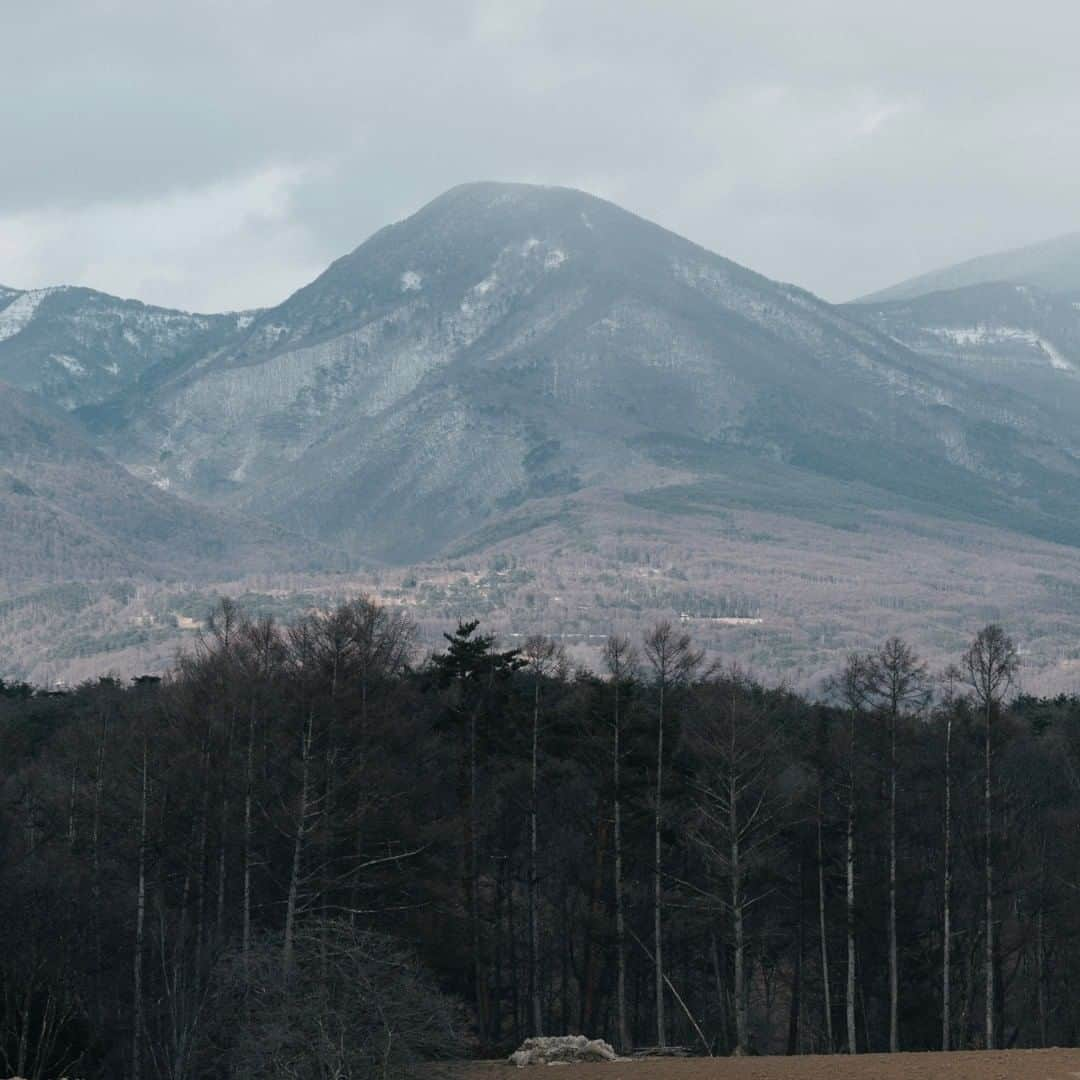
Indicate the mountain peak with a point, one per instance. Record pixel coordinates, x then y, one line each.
509 193
479 204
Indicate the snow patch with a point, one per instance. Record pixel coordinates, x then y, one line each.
17 315
1057 360
151 475
486 285
554 259
244 320
411 281
69 363
529 244
999 335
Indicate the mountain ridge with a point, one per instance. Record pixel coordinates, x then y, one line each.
77 346
1052 265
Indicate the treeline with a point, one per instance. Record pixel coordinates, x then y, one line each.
310 851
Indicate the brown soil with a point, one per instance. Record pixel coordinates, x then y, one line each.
993 1065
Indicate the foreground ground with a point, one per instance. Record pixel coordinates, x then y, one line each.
997 1065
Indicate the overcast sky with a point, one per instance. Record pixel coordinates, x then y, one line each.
215 154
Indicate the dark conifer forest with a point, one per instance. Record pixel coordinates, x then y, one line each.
311 850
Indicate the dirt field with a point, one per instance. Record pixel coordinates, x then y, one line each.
1001 1065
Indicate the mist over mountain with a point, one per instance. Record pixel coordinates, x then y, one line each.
1052 266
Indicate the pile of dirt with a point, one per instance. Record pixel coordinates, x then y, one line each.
561 1049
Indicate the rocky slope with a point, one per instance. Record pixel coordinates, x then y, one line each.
508 348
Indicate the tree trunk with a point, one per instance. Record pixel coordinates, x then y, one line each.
203 842
589 989
72 800
850 1003
565 961
894 966
222 867
946 929
661 1038
989 867
1040 969
620 914
95 887
822 930
298 849
721 995
796 976
742 1037
472 888
140 921
25 1020
249 785
515 976
497 974
534 919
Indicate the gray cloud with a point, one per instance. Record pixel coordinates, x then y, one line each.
218 154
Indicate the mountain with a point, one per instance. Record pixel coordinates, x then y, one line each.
1052 266
69 513
510 350
558 417
79 347
1017 337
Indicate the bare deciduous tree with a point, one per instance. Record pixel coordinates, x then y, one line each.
621 661
895 682
674 660
990 666
543 658
736 803
951 677
851 686
357 1005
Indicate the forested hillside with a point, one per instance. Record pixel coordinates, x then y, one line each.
71 516
226 869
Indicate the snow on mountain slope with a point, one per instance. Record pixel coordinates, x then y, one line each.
1018 337
78 347
16 316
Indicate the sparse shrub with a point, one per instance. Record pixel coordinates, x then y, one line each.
356 1004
